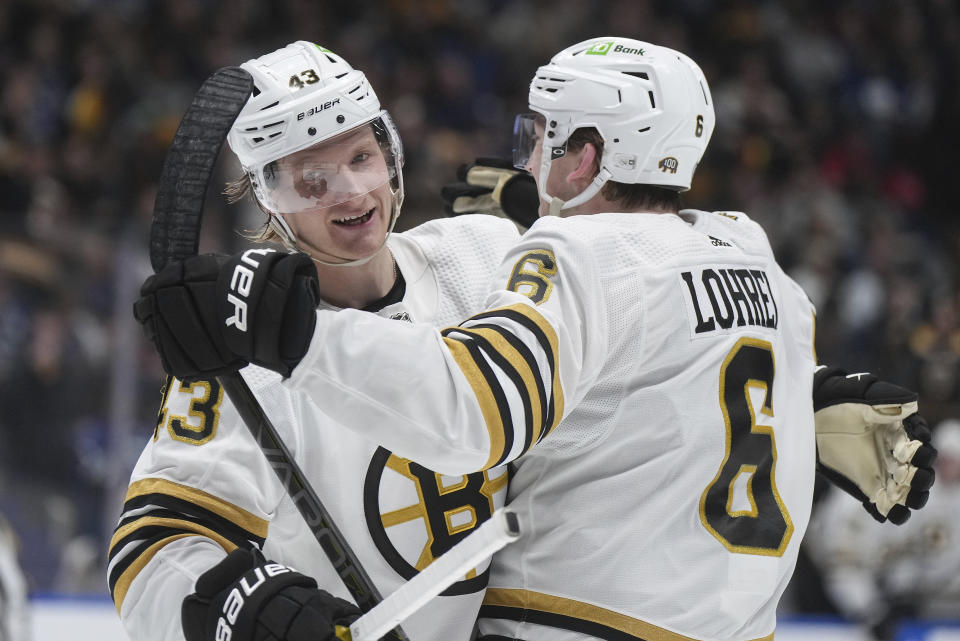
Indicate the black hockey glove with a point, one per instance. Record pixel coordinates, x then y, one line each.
871 442
493 186
209 315
247 598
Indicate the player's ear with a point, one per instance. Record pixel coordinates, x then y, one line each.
586 169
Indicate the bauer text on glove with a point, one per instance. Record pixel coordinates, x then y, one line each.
209 315
247 598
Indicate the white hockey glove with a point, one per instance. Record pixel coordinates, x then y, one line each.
871 442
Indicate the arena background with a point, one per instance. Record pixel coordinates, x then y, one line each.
837 129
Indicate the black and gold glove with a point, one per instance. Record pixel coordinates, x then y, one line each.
872 443
493 186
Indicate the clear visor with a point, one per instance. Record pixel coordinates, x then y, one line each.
527 131
333 171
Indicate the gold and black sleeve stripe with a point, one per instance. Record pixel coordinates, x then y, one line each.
520 361
517 361
157 512
486 387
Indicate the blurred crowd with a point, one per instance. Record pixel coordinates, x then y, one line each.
835 124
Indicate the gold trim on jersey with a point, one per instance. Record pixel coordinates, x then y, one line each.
556 389
747 470
450 515
172 523
419 510
545 267
766 408
523 370
493 485
154 489
244 519
484 394
529 600
204 409
123 583
483 379
162 413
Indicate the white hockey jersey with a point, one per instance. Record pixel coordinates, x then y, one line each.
202 487
670 501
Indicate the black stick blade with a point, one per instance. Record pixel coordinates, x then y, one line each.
188 167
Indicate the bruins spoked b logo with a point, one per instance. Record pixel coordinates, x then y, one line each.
414 515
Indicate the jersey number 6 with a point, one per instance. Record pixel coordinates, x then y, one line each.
761 524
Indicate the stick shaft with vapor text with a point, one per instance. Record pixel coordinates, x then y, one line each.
175 235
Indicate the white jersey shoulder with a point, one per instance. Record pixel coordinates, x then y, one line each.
730 226
458 257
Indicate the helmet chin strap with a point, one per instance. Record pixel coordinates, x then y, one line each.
558 204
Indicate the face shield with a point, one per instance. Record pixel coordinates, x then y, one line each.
528 136
334 171
527 132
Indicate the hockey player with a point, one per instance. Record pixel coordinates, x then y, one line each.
15 620
610 322
324 160
211 512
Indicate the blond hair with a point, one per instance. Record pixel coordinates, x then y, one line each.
240 188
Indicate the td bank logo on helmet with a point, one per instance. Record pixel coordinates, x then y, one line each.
603 48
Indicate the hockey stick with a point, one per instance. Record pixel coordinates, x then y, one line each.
175 235
499 530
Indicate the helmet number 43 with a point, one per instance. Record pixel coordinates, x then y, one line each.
307 77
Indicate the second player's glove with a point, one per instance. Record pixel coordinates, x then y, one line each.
247 598
209 315
872 443
493 186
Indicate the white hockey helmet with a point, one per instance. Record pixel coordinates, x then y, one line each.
304 95
651 105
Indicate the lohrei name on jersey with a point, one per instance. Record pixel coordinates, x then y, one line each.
725 297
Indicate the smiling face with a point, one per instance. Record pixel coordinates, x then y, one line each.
336 196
